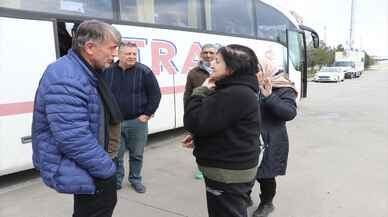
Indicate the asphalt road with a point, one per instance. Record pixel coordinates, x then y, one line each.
337 164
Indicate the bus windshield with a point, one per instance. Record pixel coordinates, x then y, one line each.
330 69
344 64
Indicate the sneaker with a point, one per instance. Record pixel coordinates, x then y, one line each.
198 175
263 210
138 187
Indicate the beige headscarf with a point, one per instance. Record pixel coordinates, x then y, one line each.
278 80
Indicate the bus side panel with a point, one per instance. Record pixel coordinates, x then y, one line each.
152 49
26 48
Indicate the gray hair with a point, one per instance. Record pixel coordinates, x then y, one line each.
211 46
95 31
126 44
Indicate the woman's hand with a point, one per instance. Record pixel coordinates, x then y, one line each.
266 87
265 84
260 76
209 83
187 142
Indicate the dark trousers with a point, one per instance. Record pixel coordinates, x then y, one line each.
100 204
267 189
227 200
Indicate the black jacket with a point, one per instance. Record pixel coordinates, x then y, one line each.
276 109
136 89
225 124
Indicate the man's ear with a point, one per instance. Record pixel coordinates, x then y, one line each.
89 47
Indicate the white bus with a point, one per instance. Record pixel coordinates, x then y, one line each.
169 34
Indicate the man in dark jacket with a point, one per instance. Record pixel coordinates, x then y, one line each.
138 94
73 112
198 74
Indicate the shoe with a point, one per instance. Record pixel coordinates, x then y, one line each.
250 202
198 175
263 210
118 185
138 187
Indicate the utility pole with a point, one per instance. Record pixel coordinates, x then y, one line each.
351 40
325 34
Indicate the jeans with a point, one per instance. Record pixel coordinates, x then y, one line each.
229 200
134 136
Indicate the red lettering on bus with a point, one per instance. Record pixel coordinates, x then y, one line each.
192 57
162 54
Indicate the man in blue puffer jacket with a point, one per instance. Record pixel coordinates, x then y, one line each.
72 114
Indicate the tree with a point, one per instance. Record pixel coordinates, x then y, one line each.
340 48
368 60
323 55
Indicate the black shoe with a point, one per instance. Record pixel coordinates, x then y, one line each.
250 202
263 210
138 187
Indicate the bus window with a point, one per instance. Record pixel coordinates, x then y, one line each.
230 16
88 8
295 46
129 10
181 13
271 24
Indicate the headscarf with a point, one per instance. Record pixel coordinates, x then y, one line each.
279 78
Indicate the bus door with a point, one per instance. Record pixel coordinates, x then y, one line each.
26 48
297 60
65 31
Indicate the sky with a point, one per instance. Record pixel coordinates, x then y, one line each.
371 22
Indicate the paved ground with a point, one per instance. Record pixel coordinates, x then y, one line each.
337 165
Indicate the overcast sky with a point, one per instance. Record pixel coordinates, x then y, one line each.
371 21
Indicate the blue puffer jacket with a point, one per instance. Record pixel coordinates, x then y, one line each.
65 128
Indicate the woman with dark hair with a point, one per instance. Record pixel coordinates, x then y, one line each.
223 116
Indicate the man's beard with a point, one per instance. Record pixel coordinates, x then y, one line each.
107 65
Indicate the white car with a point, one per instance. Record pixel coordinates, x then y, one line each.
335 74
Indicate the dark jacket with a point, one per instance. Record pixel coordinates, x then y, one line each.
276 109
195 78
135 89
225 124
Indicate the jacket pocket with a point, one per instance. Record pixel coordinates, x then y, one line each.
70 178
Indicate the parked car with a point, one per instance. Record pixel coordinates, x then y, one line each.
349 69
334 74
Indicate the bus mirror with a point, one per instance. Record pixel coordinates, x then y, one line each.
314 35
315 38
